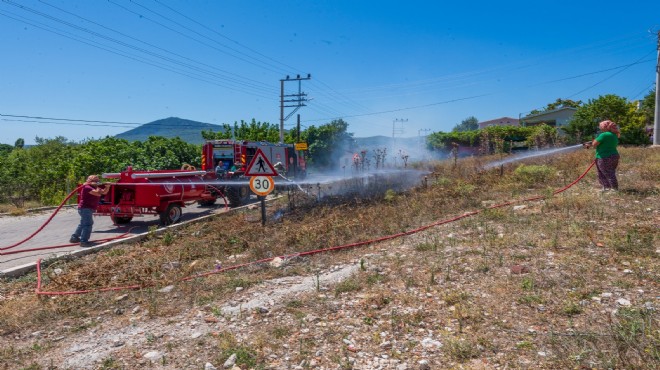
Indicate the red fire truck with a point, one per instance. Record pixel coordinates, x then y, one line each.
165 193
225 153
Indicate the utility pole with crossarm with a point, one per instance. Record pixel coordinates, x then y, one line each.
295 101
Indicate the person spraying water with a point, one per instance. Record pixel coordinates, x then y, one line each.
607 156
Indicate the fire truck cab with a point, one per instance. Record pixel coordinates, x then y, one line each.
223 154
228 159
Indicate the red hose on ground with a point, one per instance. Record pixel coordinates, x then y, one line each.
71 244
65 245
44 224
2 253
308 253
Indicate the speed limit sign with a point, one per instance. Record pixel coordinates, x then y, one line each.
262 185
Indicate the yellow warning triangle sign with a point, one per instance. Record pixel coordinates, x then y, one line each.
260 166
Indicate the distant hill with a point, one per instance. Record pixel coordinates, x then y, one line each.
189 131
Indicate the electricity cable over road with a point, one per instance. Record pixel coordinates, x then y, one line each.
238 84
242 79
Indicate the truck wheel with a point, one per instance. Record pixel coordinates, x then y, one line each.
171 215
121 220
238 195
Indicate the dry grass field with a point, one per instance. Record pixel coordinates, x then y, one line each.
568 281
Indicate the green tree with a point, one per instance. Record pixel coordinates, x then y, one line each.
52 168
20 143
494 138
104 155
647 108
15 178
559 103
252 131
159 153
5 149
469 124
50 162
584 124
633 129
327 143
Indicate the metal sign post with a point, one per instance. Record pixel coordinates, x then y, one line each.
260 171
262 199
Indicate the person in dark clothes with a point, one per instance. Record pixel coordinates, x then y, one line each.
88 199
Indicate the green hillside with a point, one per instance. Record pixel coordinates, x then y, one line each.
187 130
190 131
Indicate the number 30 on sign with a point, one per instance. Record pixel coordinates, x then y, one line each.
262 185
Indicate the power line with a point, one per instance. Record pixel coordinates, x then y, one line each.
60 123
187 36
101 123
255 82
646 89
70 119
330 93
407 108
223 36
596 72
177 126
129 46
610 76
122 54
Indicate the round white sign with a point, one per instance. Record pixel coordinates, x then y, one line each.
262 185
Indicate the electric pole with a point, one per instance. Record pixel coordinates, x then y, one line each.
295 101
656 119
398 130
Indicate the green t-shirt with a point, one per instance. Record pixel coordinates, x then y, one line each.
607 147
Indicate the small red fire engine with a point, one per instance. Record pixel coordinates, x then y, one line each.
222 171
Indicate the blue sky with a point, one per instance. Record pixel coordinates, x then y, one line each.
426 65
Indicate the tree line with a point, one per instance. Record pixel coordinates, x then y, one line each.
48 171
633 117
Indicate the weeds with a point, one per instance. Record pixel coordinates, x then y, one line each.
532 174
571 309
110 363
636 332
415 283
461 350
246 357
346 286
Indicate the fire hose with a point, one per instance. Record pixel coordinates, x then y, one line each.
38 290
42 226
4 249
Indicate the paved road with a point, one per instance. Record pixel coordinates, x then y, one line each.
57 232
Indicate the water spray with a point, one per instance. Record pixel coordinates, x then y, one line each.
531 155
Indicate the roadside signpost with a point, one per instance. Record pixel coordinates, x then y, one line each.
261 171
